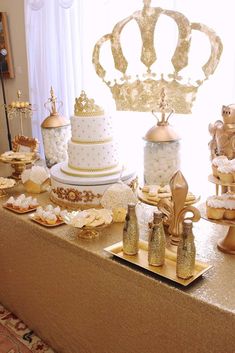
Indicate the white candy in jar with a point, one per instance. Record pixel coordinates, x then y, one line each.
161 161
55 144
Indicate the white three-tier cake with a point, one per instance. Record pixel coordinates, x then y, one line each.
93 160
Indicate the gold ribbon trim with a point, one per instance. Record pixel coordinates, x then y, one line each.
89 175
92 142
93 169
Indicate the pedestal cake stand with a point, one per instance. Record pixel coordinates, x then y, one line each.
73 191
227 244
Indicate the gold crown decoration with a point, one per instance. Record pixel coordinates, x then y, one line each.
140 93
86 107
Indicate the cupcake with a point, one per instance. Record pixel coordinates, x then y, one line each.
49 208
218 161
10 201
221 207
24 206
21 197
225 173
16 204
38 213
33 203
51 218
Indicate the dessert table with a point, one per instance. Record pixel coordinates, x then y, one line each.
80 300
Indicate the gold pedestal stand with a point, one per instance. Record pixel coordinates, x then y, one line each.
88 233
17 166
227 244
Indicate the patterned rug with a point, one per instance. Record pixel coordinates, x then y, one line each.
16 337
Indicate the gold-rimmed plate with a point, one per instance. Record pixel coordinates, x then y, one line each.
154 200
168 270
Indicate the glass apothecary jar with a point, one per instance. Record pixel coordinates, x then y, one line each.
161 153
56 131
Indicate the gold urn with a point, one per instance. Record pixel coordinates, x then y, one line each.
161 150
56 132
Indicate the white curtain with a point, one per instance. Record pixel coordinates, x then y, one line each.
54 54
61 37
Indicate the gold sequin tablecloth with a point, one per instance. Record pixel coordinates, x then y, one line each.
80 300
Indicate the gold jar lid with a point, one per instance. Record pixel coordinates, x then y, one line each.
161 133
54 120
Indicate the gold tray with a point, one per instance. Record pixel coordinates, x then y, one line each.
217 181
143 197
168 270
19 211
58 222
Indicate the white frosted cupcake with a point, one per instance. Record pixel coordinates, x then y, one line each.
51 218
24 206
33 203
21 197
216 162
225 173
38 213
221 207
10 201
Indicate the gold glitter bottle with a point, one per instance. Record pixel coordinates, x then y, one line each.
157 241
186 252
131 232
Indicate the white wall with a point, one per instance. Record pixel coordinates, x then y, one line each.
15 14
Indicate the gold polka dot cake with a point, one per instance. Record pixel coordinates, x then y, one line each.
221 207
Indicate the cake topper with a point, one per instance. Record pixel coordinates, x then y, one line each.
140 93
86 107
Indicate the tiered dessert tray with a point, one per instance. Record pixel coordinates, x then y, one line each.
227 244
5 185
168 270
224 186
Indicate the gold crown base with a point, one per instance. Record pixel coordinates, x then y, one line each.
141 95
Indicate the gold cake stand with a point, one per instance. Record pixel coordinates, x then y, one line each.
18 165
4 191
227 244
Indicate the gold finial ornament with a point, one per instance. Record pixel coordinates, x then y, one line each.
162 131
140 92
86 107
54 120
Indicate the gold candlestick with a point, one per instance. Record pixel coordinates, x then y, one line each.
19 109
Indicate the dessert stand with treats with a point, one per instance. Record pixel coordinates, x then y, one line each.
220 209
49 216
89 222
23 154
21 204
5 185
